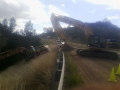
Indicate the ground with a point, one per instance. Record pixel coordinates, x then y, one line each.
96 71
29 75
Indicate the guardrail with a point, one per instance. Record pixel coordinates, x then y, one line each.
58 74
62 74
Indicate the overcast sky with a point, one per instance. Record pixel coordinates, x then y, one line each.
39 11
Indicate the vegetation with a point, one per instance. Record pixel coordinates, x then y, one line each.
34 75
72 76
78 45
47 41
48 33
104 28
11 39
75 34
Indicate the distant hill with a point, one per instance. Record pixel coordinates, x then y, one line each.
75 34
106 29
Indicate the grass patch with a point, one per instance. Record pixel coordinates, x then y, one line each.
47 41
72 76
78 45
33 75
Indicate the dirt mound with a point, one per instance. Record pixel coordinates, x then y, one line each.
66 47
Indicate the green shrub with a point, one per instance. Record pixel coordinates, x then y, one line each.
72 76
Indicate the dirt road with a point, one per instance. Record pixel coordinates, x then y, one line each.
95 70
96 73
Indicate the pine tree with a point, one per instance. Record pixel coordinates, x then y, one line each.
12 24
29 28
5 22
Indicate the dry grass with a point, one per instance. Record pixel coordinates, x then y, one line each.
34 75
47 41
77 45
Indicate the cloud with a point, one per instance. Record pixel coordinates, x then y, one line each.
24 10
92 10
108 8
8 10
53 9
113 17
74 1
114 4
63 24
62 5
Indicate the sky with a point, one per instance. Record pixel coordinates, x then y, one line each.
39 11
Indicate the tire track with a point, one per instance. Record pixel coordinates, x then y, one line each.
94 70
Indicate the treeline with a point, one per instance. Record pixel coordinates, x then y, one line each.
11 24
75 34
104 28
11 38
48 32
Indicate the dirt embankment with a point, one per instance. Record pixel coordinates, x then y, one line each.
32 75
